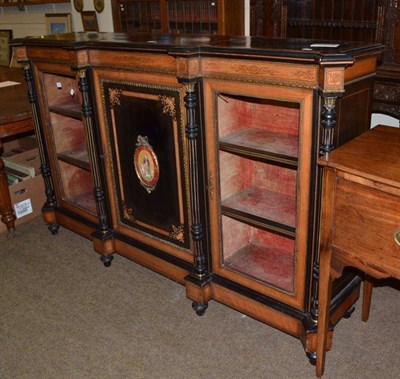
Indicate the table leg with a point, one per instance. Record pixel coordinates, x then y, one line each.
6 211
324 300
325 280
367 294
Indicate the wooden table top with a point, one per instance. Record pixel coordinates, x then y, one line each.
373 155
15 111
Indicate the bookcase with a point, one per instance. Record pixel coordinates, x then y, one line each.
342 20
197 158
179 16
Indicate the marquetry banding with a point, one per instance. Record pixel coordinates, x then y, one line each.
333 79
285 73
82 58
38 53
134 60
188 68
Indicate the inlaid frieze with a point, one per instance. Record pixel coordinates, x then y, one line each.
258 71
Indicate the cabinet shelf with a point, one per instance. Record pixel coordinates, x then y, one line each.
258 143
271 266
259 222
69 110
76 157
84 201
275 210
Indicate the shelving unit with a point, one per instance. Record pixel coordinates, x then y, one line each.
258 162
179 16
67 133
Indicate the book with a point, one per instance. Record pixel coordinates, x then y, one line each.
11 179
14 173
10 164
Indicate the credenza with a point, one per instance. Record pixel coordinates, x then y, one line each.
196 156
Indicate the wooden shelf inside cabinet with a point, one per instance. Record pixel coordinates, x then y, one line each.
267 209
258 143
76 157
269 265
257 253
84 201
69 110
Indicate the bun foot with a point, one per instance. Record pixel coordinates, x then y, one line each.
53 229
106 259
349 312
200 309
312 357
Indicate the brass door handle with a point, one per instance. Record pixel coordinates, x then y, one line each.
396 236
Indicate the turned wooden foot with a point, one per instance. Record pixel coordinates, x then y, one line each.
106 259
200 309
312 357
349 312
53 228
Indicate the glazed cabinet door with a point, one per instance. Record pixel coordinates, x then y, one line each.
66 140
259 141
142 126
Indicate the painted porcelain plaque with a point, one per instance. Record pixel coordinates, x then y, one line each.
146 164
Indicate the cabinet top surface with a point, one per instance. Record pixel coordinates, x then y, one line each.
303 49
375 155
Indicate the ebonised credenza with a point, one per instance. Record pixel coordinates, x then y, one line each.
196 156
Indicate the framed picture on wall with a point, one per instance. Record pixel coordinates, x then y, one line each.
57 23
5 49
89 21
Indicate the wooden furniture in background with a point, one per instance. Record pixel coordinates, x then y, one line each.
199 160
343 20
360 217
35 2
15 119
179 16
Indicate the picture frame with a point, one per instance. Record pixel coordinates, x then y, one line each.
57 23
5 48
89 21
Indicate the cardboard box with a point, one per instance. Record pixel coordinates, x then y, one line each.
28 196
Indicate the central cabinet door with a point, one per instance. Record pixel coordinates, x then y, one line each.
259 152
143 131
